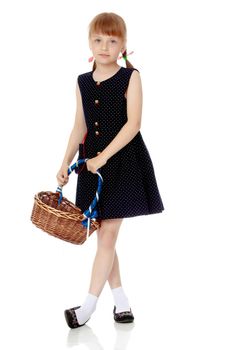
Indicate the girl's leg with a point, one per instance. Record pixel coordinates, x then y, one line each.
106 236
120 299
105 255
114 278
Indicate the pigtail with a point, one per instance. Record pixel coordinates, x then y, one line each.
94 66
128 64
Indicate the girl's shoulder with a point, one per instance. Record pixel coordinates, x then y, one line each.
131 69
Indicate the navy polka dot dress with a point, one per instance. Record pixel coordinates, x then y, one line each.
129 185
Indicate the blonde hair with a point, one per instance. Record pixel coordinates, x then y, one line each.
109 23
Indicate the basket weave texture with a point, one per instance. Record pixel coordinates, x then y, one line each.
63 221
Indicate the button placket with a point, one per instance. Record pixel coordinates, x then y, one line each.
97 103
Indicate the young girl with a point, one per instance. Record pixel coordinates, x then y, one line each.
108 120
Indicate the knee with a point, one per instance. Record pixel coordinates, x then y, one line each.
108 232
107 239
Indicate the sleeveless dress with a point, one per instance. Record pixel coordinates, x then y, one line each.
129 186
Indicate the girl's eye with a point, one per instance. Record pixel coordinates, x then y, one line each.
113 40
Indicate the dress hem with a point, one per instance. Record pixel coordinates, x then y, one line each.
128 216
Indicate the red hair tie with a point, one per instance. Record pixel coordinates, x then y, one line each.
125 56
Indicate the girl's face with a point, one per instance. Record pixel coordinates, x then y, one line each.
106 48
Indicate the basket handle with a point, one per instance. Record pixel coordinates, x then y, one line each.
90 213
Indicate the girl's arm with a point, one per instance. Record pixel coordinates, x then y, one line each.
78 132
133 124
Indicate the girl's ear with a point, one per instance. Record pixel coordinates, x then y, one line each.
123 50
124 46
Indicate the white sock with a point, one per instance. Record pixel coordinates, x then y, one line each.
120 299
87 308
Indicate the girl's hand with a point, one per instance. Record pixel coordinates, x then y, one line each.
95 163
62 175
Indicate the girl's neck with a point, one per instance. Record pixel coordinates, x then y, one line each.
103 69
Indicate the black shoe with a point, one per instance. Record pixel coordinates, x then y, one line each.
71 318
124 316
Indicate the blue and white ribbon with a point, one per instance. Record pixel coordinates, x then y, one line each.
91 212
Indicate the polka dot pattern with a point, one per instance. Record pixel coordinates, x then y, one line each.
129 185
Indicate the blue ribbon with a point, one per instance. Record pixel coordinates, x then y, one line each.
59 190
94 214
88 215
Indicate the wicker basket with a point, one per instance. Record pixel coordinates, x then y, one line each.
60 218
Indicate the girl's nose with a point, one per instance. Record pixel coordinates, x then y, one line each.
104 46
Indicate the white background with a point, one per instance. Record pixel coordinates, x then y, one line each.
176 266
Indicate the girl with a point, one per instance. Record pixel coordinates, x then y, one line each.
108 120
